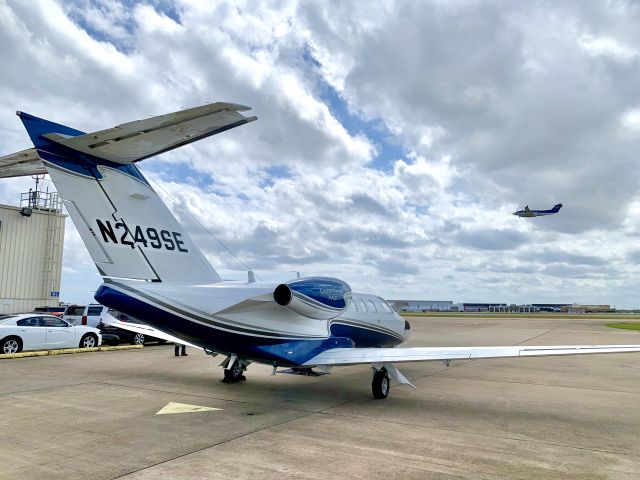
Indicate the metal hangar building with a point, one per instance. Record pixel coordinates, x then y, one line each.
31 243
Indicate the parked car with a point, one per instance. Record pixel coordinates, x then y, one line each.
30 331
115 335
89 315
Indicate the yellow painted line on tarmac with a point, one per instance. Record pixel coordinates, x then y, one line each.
174 407
65 351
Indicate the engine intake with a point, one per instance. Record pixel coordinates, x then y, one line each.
315 297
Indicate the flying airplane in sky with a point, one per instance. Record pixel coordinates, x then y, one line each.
527 212
153 271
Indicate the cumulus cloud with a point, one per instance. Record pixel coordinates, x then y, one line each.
394 139
491 240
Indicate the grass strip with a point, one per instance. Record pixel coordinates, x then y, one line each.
625 326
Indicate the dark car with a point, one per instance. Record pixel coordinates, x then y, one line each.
113 335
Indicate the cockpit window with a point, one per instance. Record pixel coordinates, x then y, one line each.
385 306
371 306
351 306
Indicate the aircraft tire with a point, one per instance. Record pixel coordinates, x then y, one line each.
234 374
381 384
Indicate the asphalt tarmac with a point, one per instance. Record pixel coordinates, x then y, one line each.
94 415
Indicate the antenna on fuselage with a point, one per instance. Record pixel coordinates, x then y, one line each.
297 273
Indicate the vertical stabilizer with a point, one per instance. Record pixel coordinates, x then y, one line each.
128 230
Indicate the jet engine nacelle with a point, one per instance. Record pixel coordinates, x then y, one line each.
315 297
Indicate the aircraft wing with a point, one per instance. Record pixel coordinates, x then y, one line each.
134 141
25 162
351 356
109 319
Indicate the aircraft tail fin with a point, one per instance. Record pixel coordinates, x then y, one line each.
127 229
557 207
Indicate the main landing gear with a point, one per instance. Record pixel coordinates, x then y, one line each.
382 375
381 383
234 368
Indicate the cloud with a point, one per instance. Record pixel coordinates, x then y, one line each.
634 257
562 256
394 138
521 97
578 271
491 240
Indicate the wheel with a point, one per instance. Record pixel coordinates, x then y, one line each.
380 384
234 374
138 339
11 345
89 340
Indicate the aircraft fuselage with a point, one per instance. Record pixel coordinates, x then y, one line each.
236 318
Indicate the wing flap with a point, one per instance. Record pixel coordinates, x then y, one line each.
351 356
20 164
134 141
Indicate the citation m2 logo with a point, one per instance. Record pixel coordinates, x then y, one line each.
331 293
131 235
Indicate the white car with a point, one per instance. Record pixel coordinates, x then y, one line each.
32 331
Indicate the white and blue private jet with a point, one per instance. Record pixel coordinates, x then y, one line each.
153 271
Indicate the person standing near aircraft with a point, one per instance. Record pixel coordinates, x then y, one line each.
180 349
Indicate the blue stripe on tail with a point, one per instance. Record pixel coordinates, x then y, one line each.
36 127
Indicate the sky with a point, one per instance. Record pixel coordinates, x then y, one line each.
394 138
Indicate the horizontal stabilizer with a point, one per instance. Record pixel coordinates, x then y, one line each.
134 141
351 356
20 164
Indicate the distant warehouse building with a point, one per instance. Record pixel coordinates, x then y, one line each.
576 308
421 305
31 241
480 307
550 307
